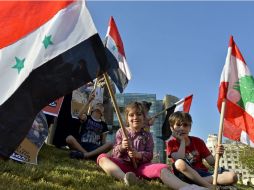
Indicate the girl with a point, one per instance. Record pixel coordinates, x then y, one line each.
140 149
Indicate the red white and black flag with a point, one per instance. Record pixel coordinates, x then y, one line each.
119 70
182 105
47 49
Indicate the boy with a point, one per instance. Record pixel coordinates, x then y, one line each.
92 141
187 153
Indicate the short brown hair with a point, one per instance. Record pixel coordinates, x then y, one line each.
179 117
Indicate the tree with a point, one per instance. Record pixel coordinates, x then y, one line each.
247 158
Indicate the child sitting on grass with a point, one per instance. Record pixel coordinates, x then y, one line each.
187 153
92 141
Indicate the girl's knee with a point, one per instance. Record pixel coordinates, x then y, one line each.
180 165
102 159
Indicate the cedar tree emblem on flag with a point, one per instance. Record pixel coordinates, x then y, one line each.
237 90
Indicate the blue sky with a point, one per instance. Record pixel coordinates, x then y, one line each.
180 48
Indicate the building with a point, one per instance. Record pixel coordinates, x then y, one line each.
230 159
156 107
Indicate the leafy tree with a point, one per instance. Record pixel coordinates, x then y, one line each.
247 158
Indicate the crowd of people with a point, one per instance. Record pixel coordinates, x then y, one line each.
130 157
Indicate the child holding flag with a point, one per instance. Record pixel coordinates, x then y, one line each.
187 153
120 165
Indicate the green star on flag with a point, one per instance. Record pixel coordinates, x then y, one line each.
47 41
19 64
113 48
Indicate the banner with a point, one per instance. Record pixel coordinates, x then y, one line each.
80 97
54 107
29 148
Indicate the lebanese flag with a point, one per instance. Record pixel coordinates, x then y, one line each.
119 70
237 89
48 49
182 105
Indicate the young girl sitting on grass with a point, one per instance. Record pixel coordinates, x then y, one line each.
120 164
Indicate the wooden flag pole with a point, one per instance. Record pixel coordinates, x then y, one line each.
217 156
105 75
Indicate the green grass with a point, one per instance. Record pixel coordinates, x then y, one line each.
55 170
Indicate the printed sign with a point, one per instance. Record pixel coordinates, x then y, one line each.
29 148
54 107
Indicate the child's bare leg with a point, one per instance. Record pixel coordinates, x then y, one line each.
175 183
191 173
111 168
73 144
171 180
226 178
102 149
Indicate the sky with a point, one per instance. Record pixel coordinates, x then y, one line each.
179 48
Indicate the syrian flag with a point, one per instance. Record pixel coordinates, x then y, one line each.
48 49
237 89
119 70
182 105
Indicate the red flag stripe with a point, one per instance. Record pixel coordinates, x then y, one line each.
34 13
235 50
187 103
113 32
239 118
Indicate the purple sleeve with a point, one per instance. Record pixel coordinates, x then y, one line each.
147 153
117 149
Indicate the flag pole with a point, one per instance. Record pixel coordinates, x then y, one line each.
105 75
217 156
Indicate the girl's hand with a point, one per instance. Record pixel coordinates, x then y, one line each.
125 144
151 121
134 154
219 149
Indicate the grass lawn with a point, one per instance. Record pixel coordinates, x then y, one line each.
55 170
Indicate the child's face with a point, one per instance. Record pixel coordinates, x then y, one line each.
182 128
99 108
135 119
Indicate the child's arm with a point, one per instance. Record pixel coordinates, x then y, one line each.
219 150
104 137
118 149
84 109
151 121
180 154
